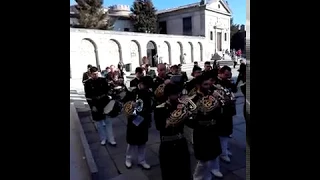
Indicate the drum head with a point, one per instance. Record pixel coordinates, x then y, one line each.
109 107
118 87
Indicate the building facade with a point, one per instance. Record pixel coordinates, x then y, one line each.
189 33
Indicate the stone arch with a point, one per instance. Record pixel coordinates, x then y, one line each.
135 54
88 54
167 59
191 51
152 53
114 53
181 55
201 51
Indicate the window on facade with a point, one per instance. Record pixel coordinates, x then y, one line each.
211 35
126 29
163 27
225 36
218 5
187 26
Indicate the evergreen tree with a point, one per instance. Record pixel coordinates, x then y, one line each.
144 16
234 28
237 36
92 15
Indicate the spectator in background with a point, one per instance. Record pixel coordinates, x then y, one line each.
149 72
242 72
105 72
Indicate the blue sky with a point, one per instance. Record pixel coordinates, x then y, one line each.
238 7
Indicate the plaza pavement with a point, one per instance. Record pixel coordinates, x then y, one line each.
110 160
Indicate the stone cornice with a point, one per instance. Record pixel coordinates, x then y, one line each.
96 31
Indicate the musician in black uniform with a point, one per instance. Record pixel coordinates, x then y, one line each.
225 126
205 137
207 67
190 89
138 108
176 77
173 151
96 91
183 73
86 75
160 80
196 71
139 73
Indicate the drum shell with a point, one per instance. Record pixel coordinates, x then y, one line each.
117 109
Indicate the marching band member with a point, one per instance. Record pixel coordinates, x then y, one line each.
138 108
190 88
207 67
225 126
183 73
205 137
196 71
175 73
159 83
139 73
86 75
96 89
170 118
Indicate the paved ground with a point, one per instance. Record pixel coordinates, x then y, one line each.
110 160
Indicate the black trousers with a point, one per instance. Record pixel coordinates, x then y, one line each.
175 160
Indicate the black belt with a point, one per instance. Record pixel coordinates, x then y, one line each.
172 138
207 123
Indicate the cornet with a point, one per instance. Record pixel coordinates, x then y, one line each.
138 107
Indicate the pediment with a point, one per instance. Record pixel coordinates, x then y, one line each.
219 5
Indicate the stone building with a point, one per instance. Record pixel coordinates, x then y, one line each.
188 33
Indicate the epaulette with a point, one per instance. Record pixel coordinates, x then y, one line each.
161 105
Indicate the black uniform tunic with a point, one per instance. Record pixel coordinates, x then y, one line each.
97 90
134 82
138 135
206 141
190 85
174 155
157 81
225 126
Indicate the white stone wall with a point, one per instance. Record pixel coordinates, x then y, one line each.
105 48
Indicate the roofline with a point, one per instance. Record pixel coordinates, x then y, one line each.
187 6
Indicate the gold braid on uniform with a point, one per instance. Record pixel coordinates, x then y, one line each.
192 92
159 92
223 94
184 109
208 103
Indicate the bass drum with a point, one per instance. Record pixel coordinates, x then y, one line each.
113 108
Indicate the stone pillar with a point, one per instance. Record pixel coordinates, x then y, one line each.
97 58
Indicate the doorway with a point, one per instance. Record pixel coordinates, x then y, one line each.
219 43
152 53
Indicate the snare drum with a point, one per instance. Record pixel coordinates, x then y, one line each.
112 109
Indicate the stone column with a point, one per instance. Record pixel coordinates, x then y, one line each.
97 58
